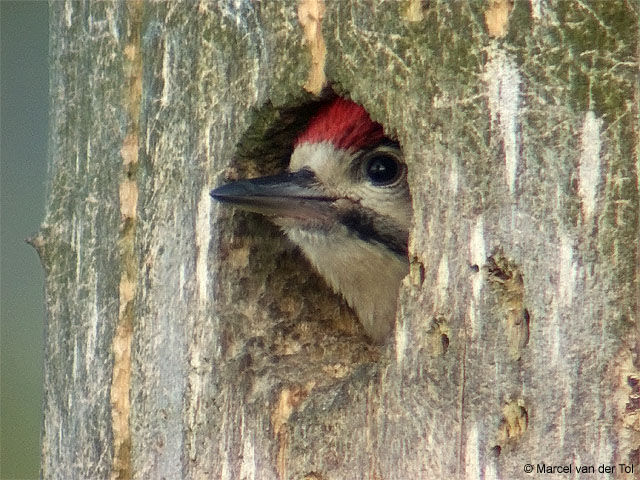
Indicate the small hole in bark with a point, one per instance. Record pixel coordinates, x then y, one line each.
314 476
417 271
445 343
507 282
514 423
438 335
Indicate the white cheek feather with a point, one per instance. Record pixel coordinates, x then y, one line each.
311 155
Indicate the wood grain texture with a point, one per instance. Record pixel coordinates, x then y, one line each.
517 336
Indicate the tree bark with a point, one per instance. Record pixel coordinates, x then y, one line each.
185 340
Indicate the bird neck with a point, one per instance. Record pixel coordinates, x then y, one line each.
367 274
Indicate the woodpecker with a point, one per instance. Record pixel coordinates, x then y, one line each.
345 202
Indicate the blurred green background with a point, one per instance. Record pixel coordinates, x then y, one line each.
24 104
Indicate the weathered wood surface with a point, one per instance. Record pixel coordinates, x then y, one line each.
186 341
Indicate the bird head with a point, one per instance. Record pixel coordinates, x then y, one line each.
345 202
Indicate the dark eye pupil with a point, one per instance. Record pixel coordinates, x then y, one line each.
382 169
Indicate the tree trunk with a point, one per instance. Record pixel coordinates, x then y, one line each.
185 340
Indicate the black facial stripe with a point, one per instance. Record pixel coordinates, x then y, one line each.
366 229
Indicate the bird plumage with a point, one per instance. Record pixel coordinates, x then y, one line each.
343 123
345 202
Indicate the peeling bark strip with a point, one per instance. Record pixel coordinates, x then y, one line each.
503 79
310 13
589 168
415 11
290 400
497 17
121 381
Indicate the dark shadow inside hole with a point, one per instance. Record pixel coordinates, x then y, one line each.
267 145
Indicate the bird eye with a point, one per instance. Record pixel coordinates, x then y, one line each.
382 168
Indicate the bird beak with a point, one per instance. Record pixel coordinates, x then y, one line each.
288 195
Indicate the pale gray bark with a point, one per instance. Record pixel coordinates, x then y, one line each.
187 341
